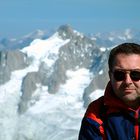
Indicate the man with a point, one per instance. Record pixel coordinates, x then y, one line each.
116 115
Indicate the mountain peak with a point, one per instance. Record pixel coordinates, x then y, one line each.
67 32
65 28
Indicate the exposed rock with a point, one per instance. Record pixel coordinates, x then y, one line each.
10 61
29 85
99 82
78 53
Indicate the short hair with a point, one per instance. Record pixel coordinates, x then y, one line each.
125 48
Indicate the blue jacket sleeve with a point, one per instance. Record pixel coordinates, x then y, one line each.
89 130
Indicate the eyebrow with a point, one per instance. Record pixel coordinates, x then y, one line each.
126 69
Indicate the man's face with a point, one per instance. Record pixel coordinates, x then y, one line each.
124 78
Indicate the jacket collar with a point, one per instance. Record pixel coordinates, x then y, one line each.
113 102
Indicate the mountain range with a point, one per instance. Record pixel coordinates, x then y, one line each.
47 81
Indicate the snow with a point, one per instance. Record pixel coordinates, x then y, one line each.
111 38
61 112
58 116
45 50
103 49
96 94
100 72
53 116
128 34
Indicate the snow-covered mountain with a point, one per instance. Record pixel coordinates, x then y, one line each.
110 39
16 43
46 85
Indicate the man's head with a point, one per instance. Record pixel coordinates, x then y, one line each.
125 48
124 72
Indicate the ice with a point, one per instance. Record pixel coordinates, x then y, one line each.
45 50
57 116
53 116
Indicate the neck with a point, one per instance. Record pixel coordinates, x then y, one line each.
133 104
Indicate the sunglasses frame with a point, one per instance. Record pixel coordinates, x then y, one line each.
120 74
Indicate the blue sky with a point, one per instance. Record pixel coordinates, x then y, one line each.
20 17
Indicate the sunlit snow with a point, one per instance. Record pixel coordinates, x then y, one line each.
103 49
53 116
45 50
62 112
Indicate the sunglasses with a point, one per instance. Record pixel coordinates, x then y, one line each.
120 75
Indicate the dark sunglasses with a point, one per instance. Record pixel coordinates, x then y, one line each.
120 75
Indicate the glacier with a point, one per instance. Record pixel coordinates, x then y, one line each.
48 116
53 116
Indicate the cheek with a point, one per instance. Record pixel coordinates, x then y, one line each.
116 85
137 85
117 88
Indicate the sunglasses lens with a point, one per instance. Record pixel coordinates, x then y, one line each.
135 75
119 75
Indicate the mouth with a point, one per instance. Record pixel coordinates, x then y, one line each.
128 90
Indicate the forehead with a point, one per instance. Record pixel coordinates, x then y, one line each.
127 61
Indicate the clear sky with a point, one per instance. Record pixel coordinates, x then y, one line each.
20 17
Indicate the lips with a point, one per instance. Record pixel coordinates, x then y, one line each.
128 91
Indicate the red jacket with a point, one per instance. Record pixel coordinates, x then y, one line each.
108 118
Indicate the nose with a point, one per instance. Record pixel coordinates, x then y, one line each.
128 79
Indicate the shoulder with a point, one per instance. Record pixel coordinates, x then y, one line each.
95 106
95 109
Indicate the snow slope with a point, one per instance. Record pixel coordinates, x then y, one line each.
53 116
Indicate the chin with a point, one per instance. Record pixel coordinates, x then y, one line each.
129 98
